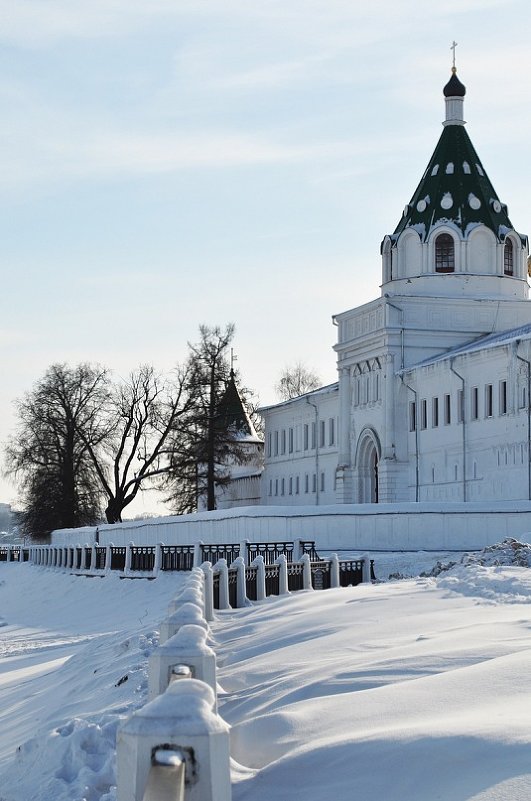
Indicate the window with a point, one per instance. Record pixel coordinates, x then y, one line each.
276 486
275 440
423 413
322 482
305 436
290 440
474 404
322 433
447 410
282 487
290 486
412 416
270 486
297 485
508 257
331 431
460 405
314 482
435 412
313 435
283 442
523 397
444 254
306 483
488 400
503 397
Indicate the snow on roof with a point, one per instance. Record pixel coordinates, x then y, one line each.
483 343
329 388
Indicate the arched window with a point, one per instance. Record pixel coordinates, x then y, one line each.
444 254
508 257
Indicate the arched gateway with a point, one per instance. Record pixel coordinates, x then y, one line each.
367 459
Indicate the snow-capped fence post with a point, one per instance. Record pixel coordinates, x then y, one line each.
108 557
241 596
306 572
157 564
222 568
181 723
334 570
282 574
243 552
198 554
128 555
298 551
206 567
366 569
187 613
258 562
186 648
191 595
92 557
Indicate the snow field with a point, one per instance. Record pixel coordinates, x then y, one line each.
410 690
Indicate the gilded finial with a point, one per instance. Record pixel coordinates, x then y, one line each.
452 47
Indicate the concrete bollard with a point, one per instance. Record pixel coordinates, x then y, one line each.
187 613
241 589
157 564
306 572
366 569
208 573
258 562
222 568
334 570
243 552
188 595
181 720
187 647
108 557
128 557
198 553
93 557
282 575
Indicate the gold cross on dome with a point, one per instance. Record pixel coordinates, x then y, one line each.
452 47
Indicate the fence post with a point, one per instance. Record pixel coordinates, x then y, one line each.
183 717
108 557
187 613
157 564
306 572
282 575
198 554
243 552
128 556
258 562
223 570
92 566
188 647
191 595
241 595
300 552
366 569
334 570
206 567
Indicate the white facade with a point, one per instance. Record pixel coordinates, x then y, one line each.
432 402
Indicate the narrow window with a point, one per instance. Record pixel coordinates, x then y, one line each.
283 442
508 257
322 482
423 413
412 416
290 486
313 435
270 486
276 486
275 440
488 400
331 431
435 412
282 487
269 443
447 410
290 440
503 397
306 483
460 405
322 433
297 485
305 436
474 404
444 254
314 482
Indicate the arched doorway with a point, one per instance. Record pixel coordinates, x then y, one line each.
367 459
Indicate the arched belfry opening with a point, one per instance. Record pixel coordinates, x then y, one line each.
367 461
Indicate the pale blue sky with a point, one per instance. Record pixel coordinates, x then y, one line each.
166 163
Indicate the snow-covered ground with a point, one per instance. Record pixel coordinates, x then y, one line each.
407 690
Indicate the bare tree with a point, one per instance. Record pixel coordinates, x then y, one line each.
295 380
59 421
143 413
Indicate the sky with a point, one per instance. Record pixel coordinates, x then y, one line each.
168 163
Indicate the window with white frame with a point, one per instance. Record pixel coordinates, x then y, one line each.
435 412
447 410
503 397
488 400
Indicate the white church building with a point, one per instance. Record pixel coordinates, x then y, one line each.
432 402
